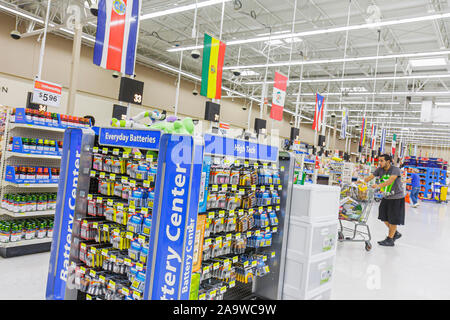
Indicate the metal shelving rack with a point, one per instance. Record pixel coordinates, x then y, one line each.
12 129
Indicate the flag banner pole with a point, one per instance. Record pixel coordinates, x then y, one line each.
44 38
292 40
345 54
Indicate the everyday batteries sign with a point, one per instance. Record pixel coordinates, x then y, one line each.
47 93
65 209
143 139
218 145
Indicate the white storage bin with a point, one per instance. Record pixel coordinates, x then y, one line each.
305 275
311 239
315 203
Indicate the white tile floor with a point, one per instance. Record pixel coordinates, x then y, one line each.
416 268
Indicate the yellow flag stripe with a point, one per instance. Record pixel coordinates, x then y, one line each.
213 62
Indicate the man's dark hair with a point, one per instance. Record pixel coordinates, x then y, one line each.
90 118
386 157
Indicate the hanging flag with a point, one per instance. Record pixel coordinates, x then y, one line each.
318 114
213 57
117 35
344 123
373 136
383 140
362 138
394 140
279 95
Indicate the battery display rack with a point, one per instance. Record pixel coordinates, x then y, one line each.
30 169
113 238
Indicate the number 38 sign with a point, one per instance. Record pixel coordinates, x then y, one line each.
47 93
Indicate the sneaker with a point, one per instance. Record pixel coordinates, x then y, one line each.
397 235
415 205
388 242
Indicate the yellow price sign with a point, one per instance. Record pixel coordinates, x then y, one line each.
93 173
216 266
206 269
125 291
249 234
144 210
133 183
127 261
231 213
224 187
233 187
105 150
146 183
95 149
274 229
274 166
277 208
149 157
253 187
221 213
215 187
246 264
102 279
246 164
223 289
263 188
116 152
125 155
139 266
272 255
99 199
136 294
83 270
105 252
280 187
266 268
228 236
95 225
271 187
124 179
235 259
264 258
112 284
202 296
102 175
219 240
241 212
213 293
232 284
113 258
89 197
110 202
237 163
93 250
208 241
92 273
256 165
238 235
112 176
254 263
257 233
88 297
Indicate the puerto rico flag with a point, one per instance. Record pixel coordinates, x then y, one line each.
318 114
117 35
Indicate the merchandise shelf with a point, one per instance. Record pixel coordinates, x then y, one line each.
11 154
27 214
33 126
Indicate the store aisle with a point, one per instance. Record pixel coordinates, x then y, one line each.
24 278
416 268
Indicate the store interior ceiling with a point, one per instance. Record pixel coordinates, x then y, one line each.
377 58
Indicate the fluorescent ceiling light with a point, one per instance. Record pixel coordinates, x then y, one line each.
427 62
339 60
330 30
181 9
21 14
275 42
354 89
421 76
249 73
294 40
405 93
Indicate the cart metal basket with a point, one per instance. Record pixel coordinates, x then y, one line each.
361 202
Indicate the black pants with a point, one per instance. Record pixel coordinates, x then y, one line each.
392 211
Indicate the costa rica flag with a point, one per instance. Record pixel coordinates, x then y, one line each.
117 35
318 114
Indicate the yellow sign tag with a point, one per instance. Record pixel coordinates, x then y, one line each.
263 188
124 179
112 176
215 187
92 273
213 293
232 284
223 289
102 175
88 297
249 234
116 152
266 268
125 291
105 150
202 296
235 259
254 263
89 197
95 149
93 173
216 266
246 264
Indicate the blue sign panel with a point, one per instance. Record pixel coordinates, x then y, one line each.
223 146
64 213
174 218
191 221
130 138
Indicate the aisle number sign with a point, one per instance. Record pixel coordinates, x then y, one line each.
47 93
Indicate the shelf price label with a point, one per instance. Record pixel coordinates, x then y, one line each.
272 255
266 269
112 176
47 93
253 187
136 294
110 202
92 273
146 184
124 179
237 163
215 187
232 284
235 259
92 174
105 150
245 264
213 293
139 266
125 155
233 187
221 213
254 263
280 187
263 188
88 297
249 234
224 187
223 289
115 152
112 284
216 266
95 149
102 175
206 269
125 291
202 296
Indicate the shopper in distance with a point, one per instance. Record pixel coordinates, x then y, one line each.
392 207
415 187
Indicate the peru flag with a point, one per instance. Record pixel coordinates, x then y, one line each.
117 35
279 96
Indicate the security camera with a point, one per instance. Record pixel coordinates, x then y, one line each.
291 122
195 92
333 115
94 9
15 34
244 108
195 54
115 74
236 72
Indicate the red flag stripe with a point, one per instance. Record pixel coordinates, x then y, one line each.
222 48
116 37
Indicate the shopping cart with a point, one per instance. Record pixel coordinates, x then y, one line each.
356 204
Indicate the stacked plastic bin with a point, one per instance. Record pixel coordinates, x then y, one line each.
311 245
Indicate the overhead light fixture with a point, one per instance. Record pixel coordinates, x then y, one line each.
249 73
189 7
330 30
419 76
427 62
22 14
340 60
354 89
275 42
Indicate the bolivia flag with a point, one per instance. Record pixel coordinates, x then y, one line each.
213 57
